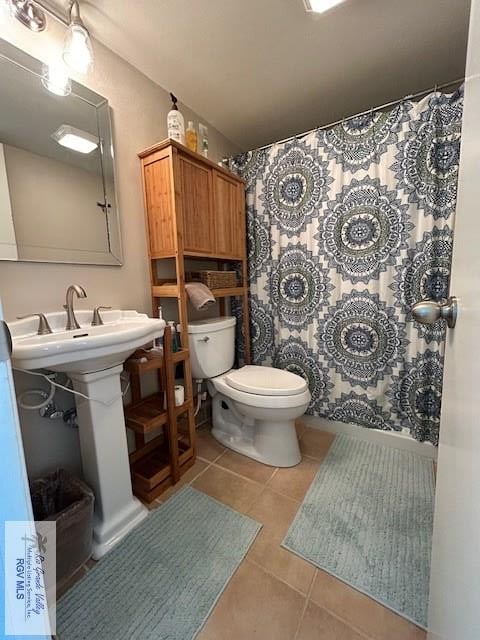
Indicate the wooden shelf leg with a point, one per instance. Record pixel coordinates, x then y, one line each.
172 417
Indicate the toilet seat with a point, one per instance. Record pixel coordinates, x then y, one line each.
259 400
265 381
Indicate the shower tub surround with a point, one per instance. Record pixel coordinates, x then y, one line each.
348 227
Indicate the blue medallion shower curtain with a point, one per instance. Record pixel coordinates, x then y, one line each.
348 227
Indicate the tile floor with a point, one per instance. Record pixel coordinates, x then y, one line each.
275 595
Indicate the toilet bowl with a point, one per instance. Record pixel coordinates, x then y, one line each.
254 408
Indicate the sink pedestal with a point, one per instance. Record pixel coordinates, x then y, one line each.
103 444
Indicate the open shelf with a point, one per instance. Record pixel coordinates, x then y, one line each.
153 362
229 291
183 407
158 461
147 415
150 494
172 291
153 468
165 291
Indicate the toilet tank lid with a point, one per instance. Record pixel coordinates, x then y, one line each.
211 324
266 381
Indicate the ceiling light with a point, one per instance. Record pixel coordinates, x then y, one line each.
77 51
75 139
319 6
55 78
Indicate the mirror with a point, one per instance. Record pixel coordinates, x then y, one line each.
57 183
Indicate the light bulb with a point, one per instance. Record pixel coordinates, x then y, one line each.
5 10
55 78
77 52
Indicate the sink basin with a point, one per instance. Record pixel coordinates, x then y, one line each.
93 358
85 349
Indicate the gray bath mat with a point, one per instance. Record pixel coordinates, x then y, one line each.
164 578
367 519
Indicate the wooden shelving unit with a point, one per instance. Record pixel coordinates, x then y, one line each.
194 210
160 462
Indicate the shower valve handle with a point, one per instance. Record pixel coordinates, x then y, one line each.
429 311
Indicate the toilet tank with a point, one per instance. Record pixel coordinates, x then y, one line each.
212 346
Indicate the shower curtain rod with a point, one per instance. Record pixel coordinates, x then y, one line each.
363 113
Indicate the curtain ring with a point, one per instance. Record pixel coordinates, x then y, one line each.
374 140
373 124
373 133
436 105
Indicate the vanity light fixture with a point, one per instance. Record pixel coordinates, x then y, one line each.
75 139
77 51
320 6
29 14
55 78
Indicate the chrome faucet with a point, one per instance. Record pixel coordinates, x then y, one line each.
71 319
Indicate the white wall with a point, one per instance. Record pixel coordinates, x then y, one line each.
139 110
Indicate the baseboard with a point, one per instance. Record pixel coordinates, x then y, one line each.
395 439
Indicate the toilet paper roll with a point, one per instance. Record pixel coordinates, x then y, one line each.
179 394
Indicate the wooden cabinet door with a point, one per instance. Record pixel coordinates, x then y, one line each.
229 207
196 198
159 207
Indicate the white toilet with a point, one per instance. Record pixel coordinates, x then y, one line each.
254 408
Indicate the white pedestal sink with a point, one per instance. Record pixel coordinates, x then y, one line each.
93 358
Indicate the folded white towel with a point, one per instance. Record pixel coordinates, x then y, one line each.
200 295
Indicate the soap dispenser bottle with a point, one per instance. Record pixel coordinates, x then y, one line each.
175 122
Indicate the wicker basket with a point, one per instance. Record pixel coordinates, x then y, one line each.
214 279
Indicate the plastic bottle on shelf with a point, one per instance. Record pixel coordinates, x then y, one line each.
203 131
179 337
159 341
171 324
175 122
191 137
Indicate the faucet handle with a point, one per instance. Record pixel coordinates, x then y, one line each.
97 319
43 326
